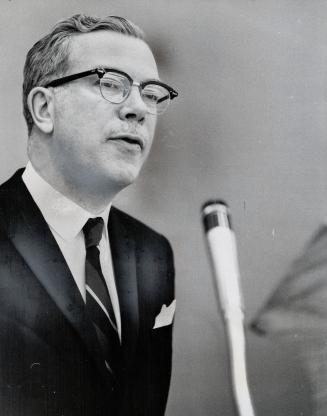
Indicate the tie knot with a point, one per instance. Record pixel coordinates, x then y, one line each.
93 231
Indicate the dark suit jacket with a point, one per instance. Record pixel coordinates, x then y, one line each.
50 359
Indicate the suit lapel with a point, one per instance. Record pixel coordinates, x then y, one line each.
122 245
33 239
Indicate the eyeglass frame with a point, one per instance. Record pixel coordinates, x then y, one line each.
100 72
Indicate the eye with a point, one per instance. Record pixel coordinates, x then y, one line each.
112 84
151 97
154 93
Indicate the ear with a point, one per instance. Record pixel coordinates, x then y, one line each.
40 104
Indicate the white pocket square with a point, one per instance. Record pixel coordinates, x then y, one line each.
166 315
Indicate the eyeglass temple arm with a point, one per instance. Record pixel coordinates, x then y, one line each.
172 94
69 78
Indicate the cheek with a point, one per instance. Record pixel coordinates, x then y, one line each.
73 136
77 113
152 128
76 130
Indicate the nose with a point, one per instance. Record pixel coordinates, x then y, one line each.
133 108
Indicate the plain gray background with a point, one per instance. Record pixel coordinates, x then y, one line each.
249 127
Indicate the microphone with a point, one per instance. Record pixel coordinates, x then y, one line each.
223 253
221 243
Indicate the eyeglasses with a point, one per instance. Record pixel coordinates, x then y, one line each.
115 87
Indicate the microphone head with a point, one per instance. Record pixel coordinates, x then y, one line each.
216 213
211 202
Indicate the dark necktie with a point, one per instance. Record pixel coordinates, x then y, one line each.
98 303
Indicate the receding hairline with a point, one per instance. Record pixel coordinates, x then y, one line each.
71 59
108 33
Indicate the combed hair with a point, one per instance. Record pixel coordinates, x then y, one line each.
49 56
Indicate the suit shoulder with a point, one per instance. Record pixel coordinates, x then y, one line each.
10 189
11 182
140 229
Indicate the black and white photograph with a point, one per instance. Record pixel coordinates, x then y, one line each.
163 208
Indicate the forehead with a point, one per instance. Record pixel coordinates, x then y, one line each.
112 50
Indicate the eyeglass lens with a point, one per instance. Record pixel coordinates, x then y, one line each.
116 87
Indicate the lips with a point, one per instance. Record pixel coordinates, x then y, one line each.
130 139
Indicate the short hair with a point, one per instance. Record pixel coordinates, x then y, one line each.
50 55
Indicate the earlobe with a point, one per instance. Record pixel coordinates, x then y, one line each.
40 104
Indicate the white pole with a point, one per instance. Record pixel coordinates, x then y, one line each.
223 253
237 354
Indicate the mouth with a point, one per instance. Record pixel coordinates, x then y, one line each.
130 139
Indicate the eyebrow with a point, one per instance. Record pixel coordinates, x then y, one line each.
106 68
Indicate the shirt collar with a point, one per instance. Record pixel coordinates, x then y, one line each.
61 213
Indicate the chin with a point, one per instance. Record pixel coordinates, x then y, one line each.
124 178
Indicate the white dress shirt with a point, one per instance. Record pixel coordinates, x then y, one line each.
66 219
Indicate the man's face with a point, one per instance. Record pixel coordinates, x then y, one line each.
96 143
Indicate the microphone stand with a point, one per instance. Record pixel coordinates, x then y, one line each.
234 326
223 254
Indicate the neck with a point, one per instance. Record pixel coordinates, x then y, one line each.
93 194
93 199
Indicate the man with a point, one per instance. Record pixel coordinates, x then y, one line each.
86 291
